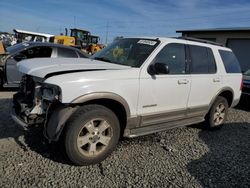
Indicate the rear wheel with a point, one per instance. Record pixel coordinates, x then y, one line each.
217 114
91 135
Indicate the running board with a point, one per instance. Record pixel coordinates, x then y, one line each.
144 130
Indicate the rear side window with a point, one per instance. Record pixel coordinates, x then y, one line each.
202 59
230 62
63 52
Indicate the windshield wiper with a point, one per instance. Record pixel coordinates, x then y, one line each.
103 59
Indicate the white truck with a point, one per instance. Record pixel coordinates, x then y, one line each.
133 87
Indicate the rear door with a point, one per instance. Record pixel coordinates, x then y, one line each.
206 80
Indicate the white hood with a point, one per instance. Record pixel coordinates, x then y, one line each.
40 67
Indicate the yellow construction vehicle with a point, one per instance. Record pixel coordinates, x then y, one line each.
93 44
66 40
81 39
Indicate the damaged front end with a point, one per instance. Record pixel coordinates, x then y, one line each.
35 100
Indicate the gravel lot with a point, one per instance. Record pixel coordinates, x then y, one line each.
183 157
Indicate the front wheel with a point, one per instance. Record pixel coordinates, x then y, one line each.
91 134
217 114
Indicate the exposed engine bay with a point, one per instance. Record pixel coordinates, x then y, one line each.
34 100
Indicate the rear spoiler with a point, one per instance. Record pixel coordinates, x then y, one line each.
2 48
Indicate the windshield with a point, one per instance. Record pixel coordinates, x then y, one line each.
128 52
17 47
247 73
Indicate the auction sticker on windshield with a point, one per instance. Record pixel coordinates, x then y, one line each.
148 42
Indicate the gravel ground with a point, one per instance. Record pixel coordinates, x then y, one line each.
182 157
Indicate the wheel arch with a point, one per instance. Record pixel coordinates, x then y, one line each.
102 96
225 92
61 115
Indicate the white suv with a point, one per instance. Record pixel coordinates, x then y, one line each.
133 87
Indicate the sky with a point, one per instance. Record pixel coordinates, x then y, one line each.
112 18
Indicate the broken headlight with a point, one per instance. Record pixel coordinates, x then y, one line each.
51 92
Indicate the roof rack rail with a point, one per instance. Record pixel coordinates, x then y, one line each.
200 40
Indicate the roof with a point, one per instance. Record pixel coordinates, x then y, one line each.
32 33
231 29
48 44
80 30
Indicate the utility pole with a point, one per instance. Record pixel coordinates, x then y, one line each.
107 32
74 21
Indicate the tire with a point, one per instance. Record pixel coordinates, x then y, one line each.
217 115
91 134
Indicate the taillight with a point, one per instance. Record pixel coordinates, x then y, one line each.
241 84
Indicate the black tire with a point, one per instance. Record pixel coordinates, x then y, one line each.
215 119
95 124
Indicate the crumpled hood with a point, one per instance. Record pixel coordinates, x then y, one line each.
40 67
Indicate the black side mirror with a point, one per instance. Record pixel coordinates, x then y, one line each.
158 68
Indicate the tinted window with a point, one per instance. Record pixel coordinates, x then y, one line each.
173 55
35 52
63 52
230 62
202 60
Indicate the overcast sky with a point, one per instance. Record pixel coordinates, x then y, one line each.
123 17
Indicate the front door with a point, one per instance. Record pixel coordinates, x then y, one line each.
164 97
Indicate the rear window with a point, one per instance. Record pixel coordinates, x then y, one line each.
230 61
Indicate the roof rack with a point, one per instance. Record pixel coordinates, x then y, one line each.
199 40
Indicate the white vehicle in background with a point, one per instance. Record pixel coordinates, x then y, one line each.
133 87
29 36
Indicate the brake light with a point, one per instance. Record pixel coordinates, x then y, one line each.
241 84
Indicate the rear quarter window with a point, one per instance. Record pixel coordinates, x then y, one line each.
230 61
64 52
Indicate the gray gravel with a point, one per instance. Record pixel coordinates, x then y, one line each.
182 157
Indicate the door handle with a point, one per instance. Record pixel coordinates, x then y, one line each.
216 80
184 81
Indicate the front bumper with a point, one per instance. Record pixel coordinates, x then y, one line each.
53 119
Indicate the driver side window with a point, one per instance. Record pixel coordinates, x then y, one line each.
173 56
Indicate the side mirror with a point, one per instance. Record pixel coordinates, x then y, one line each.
158 68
